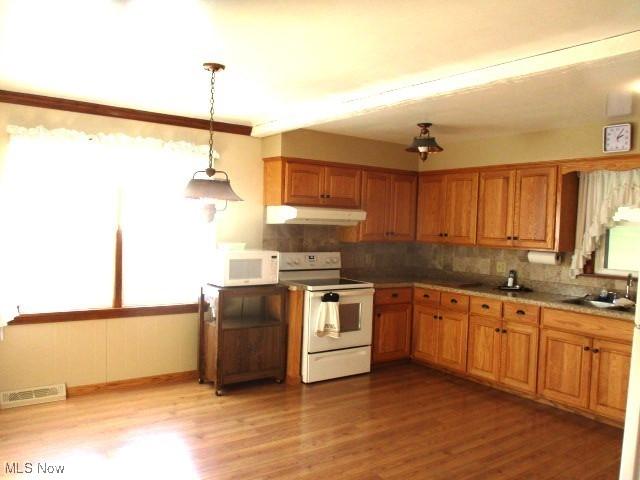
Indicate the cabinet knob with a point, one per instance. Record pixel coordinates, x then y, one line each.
509 237
439 317
454 301
520 312
485 306
441 234
426 295
497 330
379 315
587 348
515 238
446 234
504 330
595 350
394 295
435 317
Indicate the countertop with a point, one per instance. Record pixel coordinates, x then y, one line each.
543 299
470 287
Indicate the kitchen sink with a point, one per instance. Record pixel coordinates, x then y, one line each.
592 302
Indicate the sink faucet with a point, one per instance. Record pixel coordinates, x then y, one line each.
629 285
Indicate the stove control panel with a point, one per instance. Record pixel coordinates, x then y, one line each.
309 260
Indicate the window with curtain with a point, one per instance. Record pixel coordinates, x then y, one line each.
63 197
607 201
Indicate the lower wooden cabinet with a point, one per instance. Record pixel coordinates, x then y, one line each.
585 372
440 337
452 340
503 352
483 354
565 367
609 378
425 333
391 332
519 356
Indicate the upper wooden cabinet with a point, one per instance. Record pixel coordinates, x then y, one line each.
390 202
495 208
291 182
447 208
528 208
431 198
535 207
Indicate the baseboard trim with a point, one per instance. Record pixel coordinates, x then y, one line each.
131 383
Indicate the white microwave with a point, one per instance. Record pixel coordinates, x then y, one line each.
237 268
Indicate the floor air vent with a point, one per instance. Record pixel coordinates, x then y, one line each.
31 396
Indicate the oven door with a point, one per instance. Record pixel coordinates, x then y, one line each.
356 319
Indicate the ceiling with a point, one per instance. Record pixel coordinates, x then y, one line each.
356 67
559 98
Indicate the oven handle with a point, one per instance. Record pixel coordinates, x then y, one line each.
355 292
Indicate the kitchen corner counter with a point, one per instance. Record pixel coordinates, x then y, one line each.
470 287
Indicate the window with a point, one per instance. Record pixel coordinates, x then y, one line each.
64 196
619 253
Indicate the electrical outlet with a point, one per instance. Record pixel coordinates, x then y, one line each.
501 267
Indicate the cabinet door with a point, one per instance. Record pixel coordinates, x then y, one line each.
402 216
425 333
519 356
391 332
375 200
461 208
564 367
266 347
431 198
496 200
483 354
452 340
610 378
342 187
304 184
535 207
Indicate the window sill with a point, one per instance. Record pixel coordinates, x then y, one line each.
104 313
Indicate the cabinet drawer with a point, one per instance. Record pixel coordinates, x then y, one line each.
485 306
392 295
585 324
426 296
521 312
454 301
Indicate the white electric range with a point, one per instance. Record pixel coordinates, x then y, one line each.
326 357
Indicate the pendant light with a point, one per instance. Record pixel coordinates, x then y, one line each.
424 144
210 189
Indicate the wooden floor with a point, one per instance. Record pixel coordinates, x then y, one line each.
400 422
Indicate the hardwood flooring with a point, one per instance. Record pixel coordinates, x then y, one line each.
400 422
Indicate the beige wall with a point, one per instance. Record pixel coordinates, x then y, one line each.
577 142
344 149
96 351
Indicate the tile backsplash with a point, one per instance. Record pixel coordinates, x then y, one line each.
396 259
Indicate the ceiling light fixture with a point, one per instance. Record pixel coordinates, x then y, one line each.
208 190
424 144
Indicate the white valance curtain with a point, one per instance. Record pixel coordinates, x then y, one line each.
601 194
63 194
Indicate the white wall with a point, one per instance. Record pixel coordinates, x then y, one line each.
96 351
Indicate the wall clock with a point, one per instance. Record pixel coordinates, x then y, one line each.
616 138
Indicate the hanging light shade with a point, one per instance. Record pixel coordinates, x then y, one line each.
210 189
424 144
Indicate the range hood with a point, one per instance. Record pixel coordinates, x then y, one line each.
282 214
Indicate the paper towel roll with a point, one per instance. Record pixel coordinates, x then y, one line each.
546 258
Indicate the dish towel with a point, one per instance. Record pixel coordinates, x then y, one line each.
328 324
